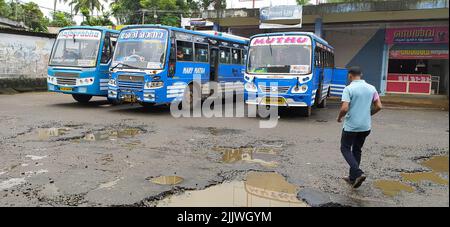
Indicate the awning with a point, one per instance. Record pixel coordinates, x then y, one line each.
419 51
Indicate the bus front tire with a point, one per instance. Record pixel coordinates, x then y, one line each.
306 111
82 98
323 104
190 93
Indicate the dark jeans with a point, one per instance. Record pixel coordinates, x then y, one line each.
351 147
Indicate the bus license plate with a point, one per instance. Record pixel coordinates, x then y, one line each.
274 101
66 89
130 98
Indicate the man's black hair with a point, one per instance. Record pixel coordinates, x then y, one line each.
355 70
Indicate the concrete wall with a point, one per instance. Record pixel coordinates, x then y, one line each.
241 4
24 56
23 61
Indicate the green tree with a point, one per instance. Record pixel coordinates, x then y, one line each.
5 9
61 19
33 17
83 5
103 20
303 2
126 11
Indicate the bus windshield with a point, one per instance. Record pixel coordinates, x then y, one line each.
280 55
76 48
141 48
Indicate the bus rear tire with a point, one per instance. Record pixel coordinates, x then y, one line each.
146 104
323 104
82 98
306 111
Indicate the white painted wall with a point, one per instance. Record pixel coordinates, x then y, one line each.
24 56
240 4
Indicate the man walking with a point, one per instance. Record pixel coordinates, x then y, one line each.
357 101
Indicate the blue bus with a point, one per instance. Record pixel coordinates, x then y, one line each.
156 65
80 61
293 69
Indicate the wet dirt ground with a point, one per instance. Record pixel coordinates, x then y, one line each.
55 152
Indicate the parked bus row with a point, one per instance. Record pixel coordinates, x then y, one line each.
155 65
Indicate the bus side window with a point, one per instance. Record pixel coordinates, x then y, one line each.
107 51
185 51
224 57
236 57
201 53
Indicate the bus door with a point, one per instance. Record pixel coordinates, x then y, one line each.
106 54
214 64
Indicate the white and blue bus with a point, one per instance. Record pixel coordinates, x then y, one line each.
155 65
80 61
293 69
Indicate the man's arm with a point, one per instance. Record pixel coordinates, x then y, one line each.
344 110
378 106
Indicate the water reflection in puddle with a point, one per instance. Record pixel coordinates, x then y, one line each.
258 190
113 134
49 133
392 188
249 155
167 180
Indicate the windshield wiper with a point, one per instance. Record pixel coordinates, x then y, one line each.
124 65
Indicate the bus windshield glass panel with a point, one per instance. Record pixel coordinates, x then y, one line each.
76 48
280 55
141 48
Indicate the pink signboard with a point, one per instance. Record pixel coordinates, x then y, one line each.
417 35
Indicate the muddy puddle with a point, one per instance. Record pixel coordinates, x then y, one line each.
51 133
257 190
259 155
393 188
113 134
437 164
167 180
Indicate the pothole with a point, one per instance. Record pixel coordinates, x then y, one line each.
259 189
167 180
393 188
437 164
424 176
259 155
50 133
113 134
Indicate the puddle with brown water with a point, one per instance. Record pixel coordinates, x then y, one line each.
113 134
49 133
257 190
167 180
392 188
258 155
437 164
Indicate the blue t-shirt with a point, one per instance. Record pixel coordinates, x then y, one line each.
361 96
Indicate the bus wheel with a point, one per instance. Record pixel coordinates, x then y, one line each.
189 99
82 98
114 102
323 104
306 111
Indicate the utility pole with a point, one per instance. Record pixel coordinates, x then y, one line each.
54 8
143 16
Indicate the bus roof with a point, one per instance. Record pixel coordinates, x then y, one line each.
220 36
100 28
310 34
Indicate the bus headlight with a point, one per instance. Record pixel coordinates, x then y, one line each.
112 82
154 85
251 87
300 90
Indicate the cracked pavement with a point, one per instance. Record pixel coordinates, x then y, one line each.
55 152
